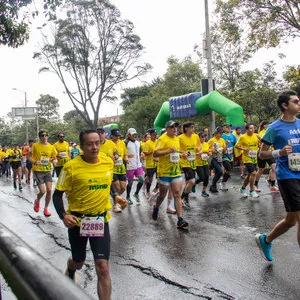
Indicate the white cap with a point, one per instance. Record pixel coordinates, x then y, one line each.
131 131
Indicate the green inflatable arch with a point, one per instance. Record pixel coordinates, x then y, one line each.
213 101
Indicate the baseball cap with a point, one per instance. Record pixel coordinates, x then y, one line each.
171 123
131 131
100 129
226 125
115 132
151 131
219 129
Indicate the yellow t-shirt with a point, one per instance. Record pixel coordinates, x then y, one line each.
250 142
15 155
109 148
148 147
216 146
119 167
44 154
87 185
202 160
63 150
189 145
168 164
237 152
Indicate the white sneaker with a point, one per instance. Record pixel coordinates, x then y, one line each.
223 186
243 192
253 194
117 208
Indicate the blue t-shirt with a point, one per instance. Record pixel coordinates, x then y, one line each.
280 134
231 142
74 152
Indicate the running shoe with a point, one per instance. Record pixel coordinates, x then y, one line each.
242 176
243 192
264 247
257 189
137 198
15 185
129 201
20 187
204 194
185 203
213 189
47 212
154 213
36 206
253 194
152 197
182 224
171 210
117 208
274 188
223 187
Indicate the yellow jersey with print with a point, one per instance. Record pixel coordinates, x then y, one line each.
63 153
217 146
148 147
44 154
189 144
237 152
168 164
202 160
87 185
251 143
109 148
15 155
119 166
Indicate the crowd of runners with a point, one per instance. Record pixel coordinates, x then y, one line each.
168 164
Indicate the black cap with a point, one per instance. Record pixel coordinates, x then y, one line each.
151 131
226 125
219 129
100 129
115 132
171 123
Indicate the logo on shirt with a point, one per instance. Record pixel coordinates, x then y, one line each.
98 187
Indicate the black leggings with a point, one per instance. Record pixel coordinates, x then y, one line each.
218 170
203 174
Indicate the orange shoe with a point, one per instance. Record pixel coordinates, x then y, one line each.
36 206
47 213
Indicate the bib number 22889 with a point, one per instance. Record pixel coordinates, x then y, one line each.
92 227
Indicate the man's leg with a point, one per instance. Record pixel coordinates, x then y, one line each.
104 281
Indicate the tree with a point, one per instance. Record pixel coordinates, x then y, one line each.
292 77
94 50
47 107
73 118
266 22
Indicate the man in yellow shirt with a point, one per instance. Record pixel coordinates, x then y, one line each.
63 152
238 153
249 143
168 170
15 157
86 180
42 155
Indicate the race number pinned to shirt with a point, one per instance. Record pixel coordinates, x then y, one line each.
119 161
44 161
294 161
252 153
204 156
191 156
92 226
62 154
174 158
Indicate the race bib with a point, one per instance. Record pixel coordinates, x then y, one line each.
191 156
92 226
294 161
45 161
220 150
252 153
230 150
174 158
62 154
204 156
119 161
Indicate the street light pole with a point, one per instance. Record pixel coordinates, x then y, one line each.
26 122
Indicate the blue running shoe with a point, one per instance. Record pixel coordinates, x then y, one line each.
129 201
154 213
204 194
137 198
264 247
182 223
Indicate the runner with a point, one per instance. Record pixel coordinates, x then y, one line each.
169 173
284 135
75 151
15 158
42 155
189 141
238 161
5 161
227 158
25 154
249 142
217 146
87 180
134 166
63 153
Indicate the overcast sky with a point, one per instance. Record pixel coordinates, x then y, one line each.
166 27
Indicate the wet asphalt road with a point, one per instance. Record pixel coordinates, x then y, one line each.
216 258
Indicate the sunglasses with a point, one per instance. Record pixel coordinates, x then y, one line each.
61 136
174 126
44 134
296 101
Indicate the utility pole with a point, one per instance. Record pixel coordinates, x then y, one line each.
212 122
